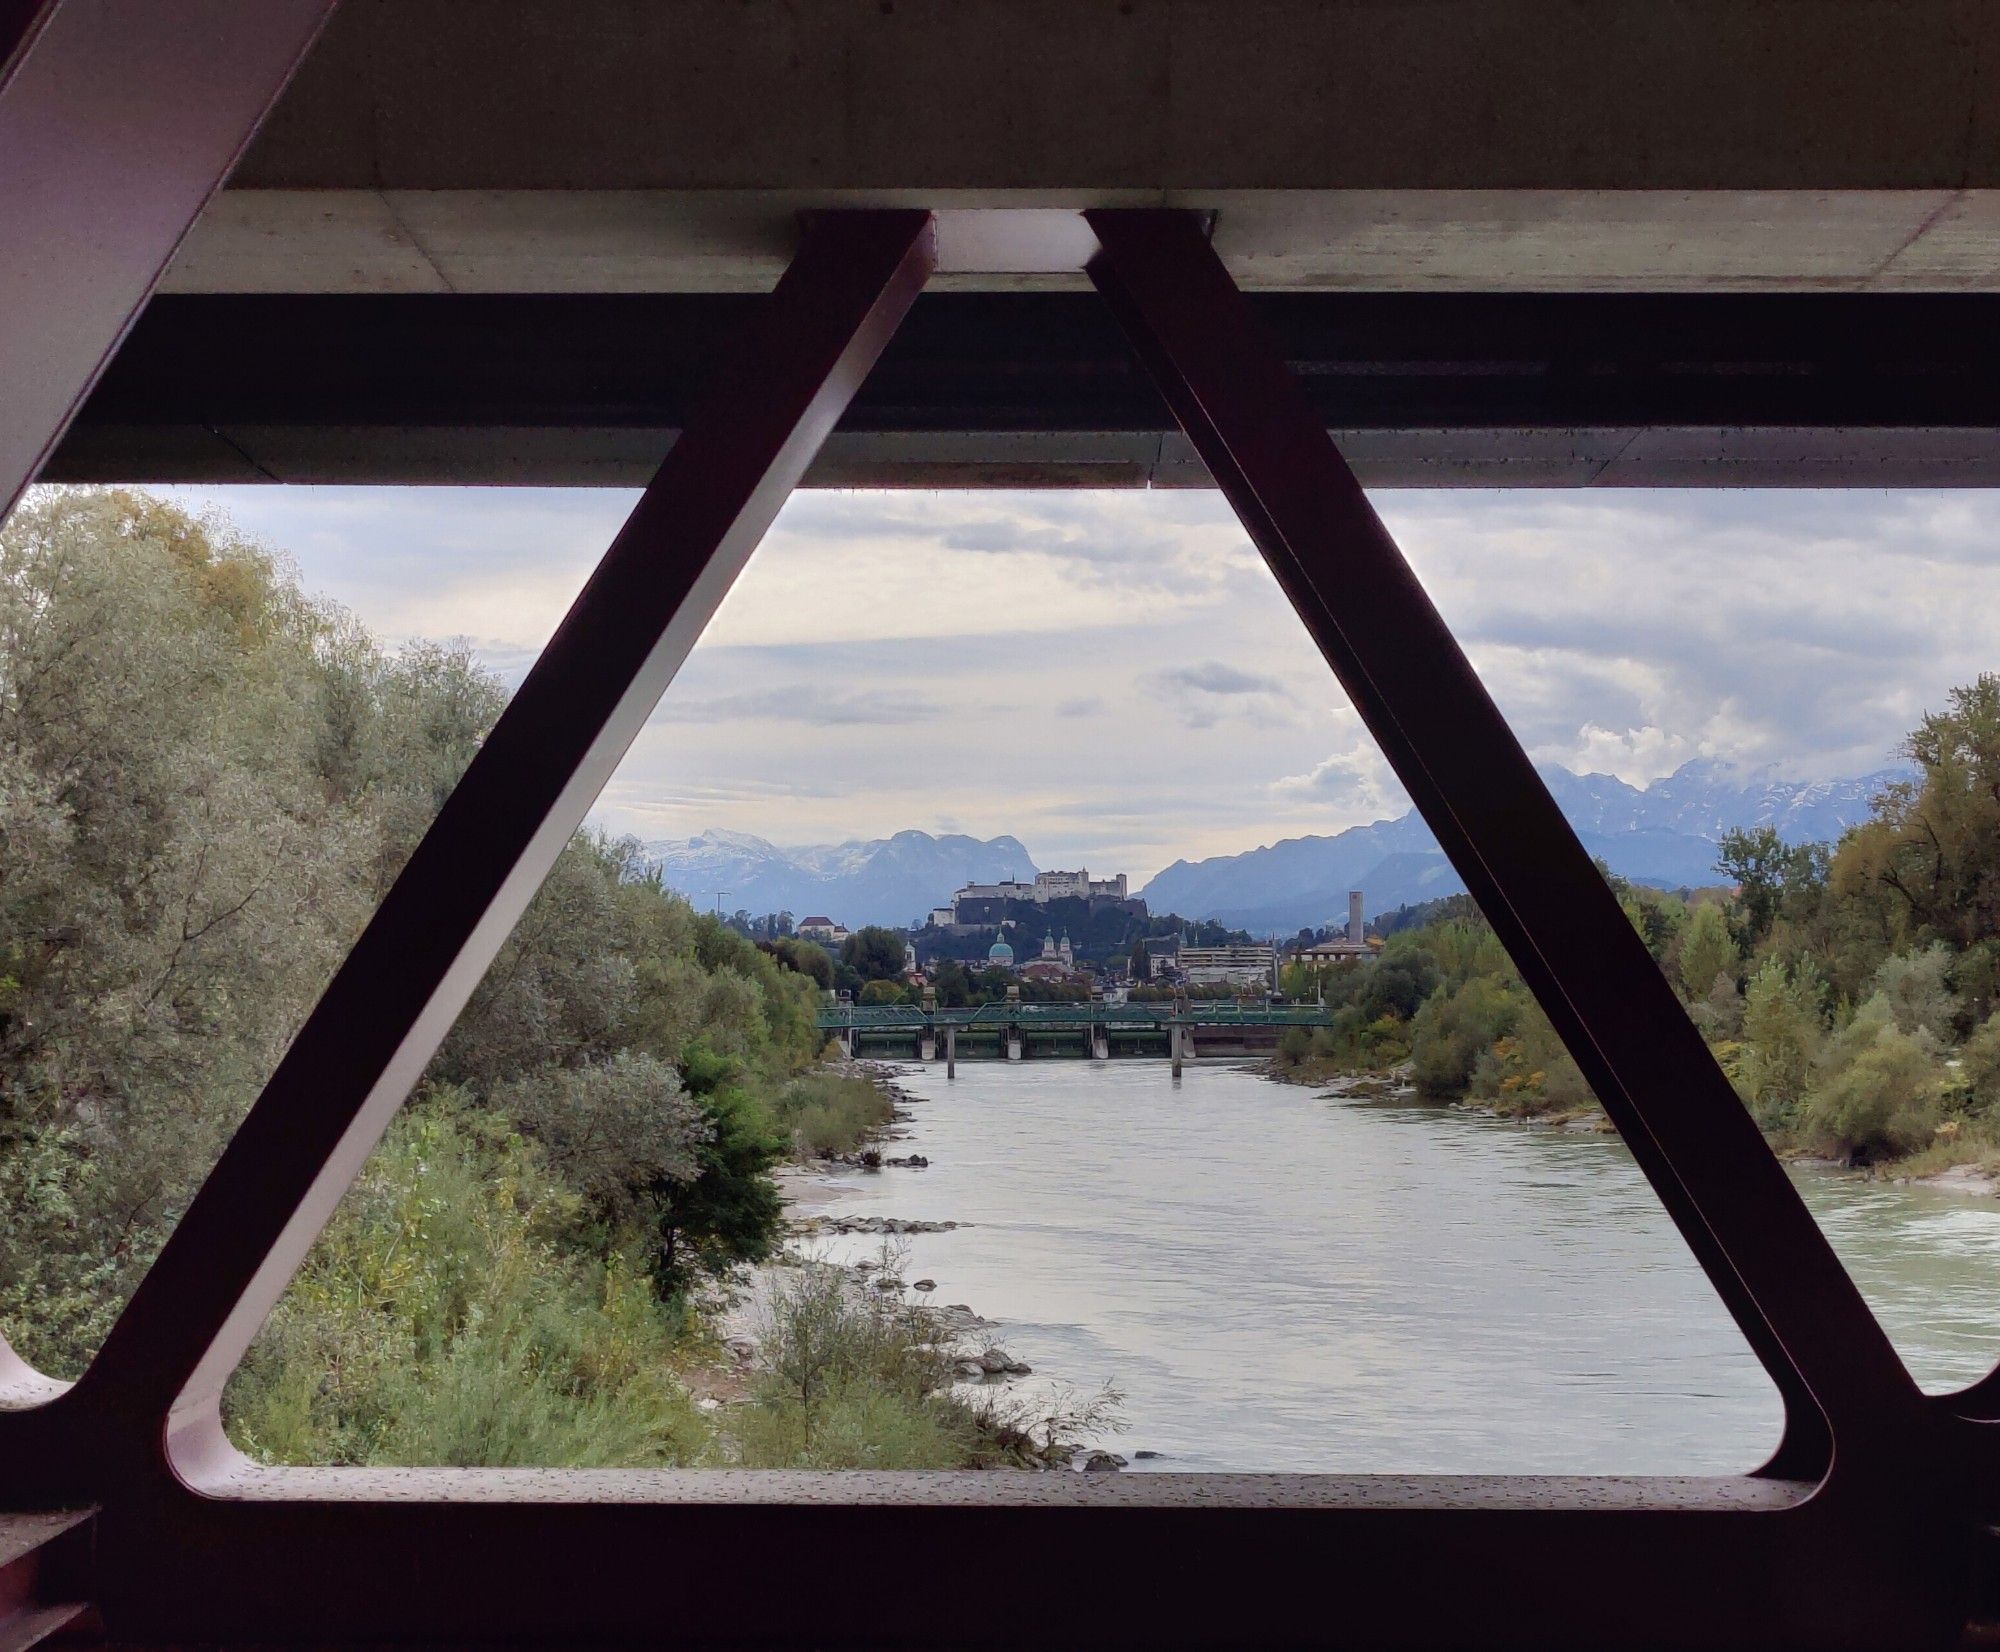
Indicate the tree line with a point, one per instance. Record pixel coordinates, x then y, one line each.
1848 990
208 779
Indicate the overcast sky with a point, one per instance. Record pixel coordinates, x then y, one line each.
1114 679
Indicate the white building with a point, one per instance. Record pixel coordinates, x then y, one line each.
1057 886
995 892
1077 885
1226 966
1048 886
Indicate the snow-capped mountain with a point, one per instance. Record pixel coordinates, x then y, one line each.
1664 834
1704 798
883 880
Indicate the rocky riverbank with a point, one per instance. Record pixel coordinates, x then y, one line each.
976 1375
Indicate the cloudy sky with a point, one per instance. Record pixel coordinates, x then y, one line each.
1114 679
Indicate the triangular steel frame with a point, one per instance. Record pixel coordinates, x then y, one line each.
1866 1488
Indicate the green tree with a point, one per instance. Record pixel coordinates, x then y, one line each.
1933 846
731 1211
1783 1028
1707 951
1771 875
874 953
806 958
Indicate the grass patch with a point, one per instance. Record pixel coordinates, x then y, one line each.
854 1377
828 1112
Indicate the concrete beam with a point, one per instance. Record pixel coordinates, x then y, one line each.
552 241
1496 145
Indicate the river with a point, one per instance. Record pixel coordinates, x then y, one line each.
1278 1280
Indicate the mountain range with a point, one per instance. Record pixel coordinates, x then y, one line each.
1664 834
878 881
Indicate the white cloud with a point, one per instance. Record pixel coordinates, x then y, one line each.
1637 756
1116 678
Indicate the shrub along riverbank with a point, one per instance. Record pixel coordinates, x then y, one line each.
207 781
1848 990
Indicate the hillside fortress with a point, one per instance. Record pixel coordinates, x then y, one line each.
1047 887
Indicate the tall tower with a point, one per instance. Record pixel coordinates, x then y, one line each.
1357 926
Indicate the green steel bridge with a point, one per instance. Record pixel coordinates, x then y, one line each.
1176 1030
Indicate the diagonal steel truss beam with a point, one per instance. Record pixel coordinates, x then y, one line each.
118 120
1247 416
525 793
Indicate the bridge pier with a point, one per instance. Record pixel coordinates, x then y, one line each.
1100 1044
927 1047
1013 1043
951 1052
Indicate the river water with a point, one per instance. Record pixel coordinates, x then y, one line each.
1278 1280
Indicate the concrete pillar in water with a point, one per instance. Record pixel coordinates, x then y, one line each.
927 1047
1174 1035
1100 1044
1013 1043
951 1052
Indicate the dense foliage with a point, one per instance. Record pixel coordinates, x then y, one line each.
1848 990
207 781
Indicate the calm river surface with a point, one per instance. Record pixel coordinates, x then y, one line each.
1280 1280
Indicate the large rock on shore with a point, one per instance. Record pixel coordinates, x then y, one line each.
889 1225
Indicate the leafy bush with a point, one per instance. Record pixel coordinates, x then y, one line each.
1530 1072
1915 987
1453 1030
1295 1046
1879 1097
851 1382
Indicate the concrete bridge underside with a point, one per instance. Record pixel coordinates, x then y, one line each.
1787 213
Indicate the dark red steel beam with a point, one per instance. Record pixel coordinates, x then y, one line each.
118 120
437 1558
1248 417
525 793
